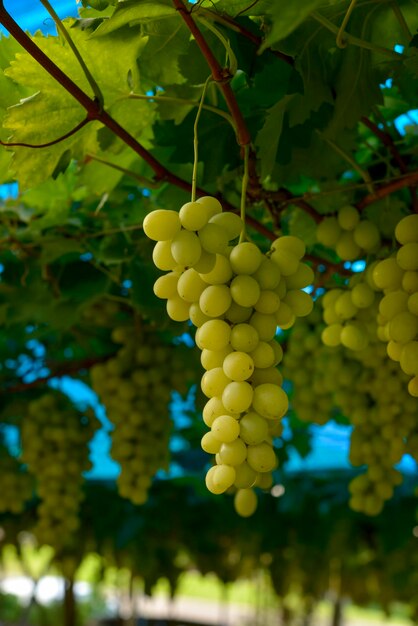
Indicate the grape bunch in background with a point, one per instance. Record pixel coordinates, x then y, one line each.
135 387
55 448
236 296
16 483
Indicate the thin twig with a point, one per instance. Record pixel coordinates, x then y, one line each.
11 144
389 188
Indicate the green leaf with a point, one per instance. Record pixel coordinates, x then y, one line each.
286 17
132 12
267 140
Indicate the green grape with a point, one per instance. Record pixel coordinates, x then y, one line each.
161 225
221 272
16 484
265 325
245 502
55 438
245 290
407 256
210 204
211 486
236 314
300 302
245 476
393 303
328 232
268 274
410 281
213 238
178 309
367 236
406 230
190 286
261 457
263 355
214 335
354 337
193 216
286 261
303 277
268 302
290 244
348 217
213 358
213 409
362 296
285 318
253 428
245 258
206 262
413 387
264 481
162 257
147 373
225 428
214 382
266 375
238 366
403 327
270 401
196 315
244 337
233 453
215 300
331 335
210 444
346 247
166 286
231 223
413 303
237 397
409 358
186 248
387 274
223 477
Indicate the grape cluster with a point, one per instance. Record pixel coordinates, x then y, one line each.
350 236
16 484
350 313
236 296
397 277
365 387
55 439
135 387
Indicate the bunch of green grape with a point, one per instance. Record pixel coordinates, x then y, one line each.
16 484
397 277
367 388
348 234
135 387
350 313
55 448
236 296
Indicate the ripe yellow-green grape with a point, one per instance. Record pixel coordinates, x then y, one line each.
236 305
16 484
349 234
135 387
55 448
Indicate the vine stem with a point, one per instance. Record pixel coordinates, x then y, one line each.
340 41
389 188
361 43
73 131
196 138
219 75
64 32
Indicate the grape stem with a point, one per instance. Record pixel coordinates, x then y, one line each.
245 179
340 40
196 138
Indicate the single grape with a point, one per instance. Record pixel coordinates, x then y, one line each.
245 290
261 457
231 223
270 401
225 429
406 230
193 216
185 248
348 217
161 225
237 397
245 502
253 428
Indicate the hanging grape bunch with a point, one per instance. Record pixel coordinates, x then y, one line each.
236 297
135 387
16 484
55 448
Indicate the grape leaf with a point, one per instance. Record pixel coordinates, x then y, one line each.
133 12
267 140
286 17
